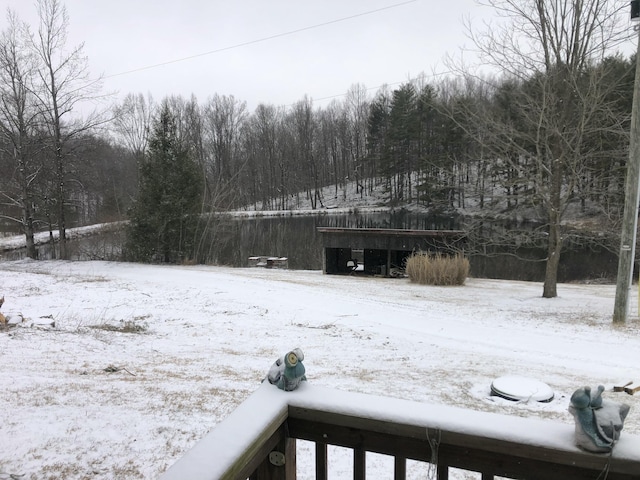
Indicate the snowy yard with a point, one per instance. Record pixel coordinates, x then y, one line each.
144 360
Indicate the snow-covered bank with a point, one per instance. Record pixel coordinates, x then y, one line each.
304 212
144 360
15 242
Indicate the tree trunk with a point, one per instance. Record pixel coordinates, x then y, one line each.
555 237
553 261
29 230
52 241
26 203
62 221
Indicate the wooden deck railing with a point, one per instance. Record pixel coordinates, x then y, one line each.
258 440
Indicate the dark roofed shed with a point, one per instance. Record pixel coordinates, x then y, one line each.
381 250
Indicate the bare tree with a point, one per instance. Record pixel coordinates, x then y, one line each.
547 50
132 121
224 119
332 140
304 128
18 124
262 149
357 106
62 85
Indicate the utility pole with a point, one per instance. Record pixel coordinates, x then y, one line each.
631 196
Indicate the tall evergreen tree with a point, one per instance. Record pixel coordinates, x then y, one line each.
164 217
437 142
403 135
377 137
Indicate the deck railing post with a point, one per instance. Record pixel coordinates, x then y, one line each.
400 468
290 467
280 464
443 471
321 461
359 464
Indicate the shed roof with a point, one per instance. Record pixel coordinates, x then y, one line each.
394 232
389 238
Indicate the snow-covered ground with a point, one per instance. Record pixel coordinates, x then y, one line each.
143 360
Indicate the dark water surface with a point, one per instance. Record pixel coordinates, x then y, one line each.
496 250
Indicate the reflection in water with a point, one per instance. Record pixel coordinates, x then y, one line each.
496 250
105 246
506 250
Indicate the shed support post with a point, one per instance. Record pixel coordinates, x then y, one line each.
324 261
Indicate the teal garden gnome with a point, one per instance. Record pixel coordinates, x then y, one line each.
598 421
288 372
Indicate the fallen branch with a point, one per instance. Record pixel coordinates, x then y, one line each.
114 369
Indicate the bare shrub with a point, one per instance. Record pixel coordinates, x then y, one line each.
437 269
123 326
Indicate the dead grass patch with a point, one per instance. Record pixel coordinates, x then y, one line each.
437 269
135 325
128 470
96 279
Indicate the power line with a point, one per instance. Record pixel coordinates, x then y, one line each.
263 39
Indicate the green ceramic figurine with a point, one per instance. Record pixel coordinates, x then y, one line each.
287 372
598 421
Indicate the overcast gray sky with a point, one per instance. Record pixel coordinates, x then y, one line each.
271 51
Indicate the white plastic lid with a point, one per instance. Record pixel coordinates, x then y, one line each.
517 388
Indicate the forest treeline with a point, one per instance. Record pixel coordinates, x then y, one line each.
418 141
540 137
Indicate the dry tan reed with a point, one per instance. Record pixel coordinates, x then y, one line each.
437 269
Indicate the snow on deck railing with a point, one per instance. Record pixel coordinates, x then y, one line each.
490 443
